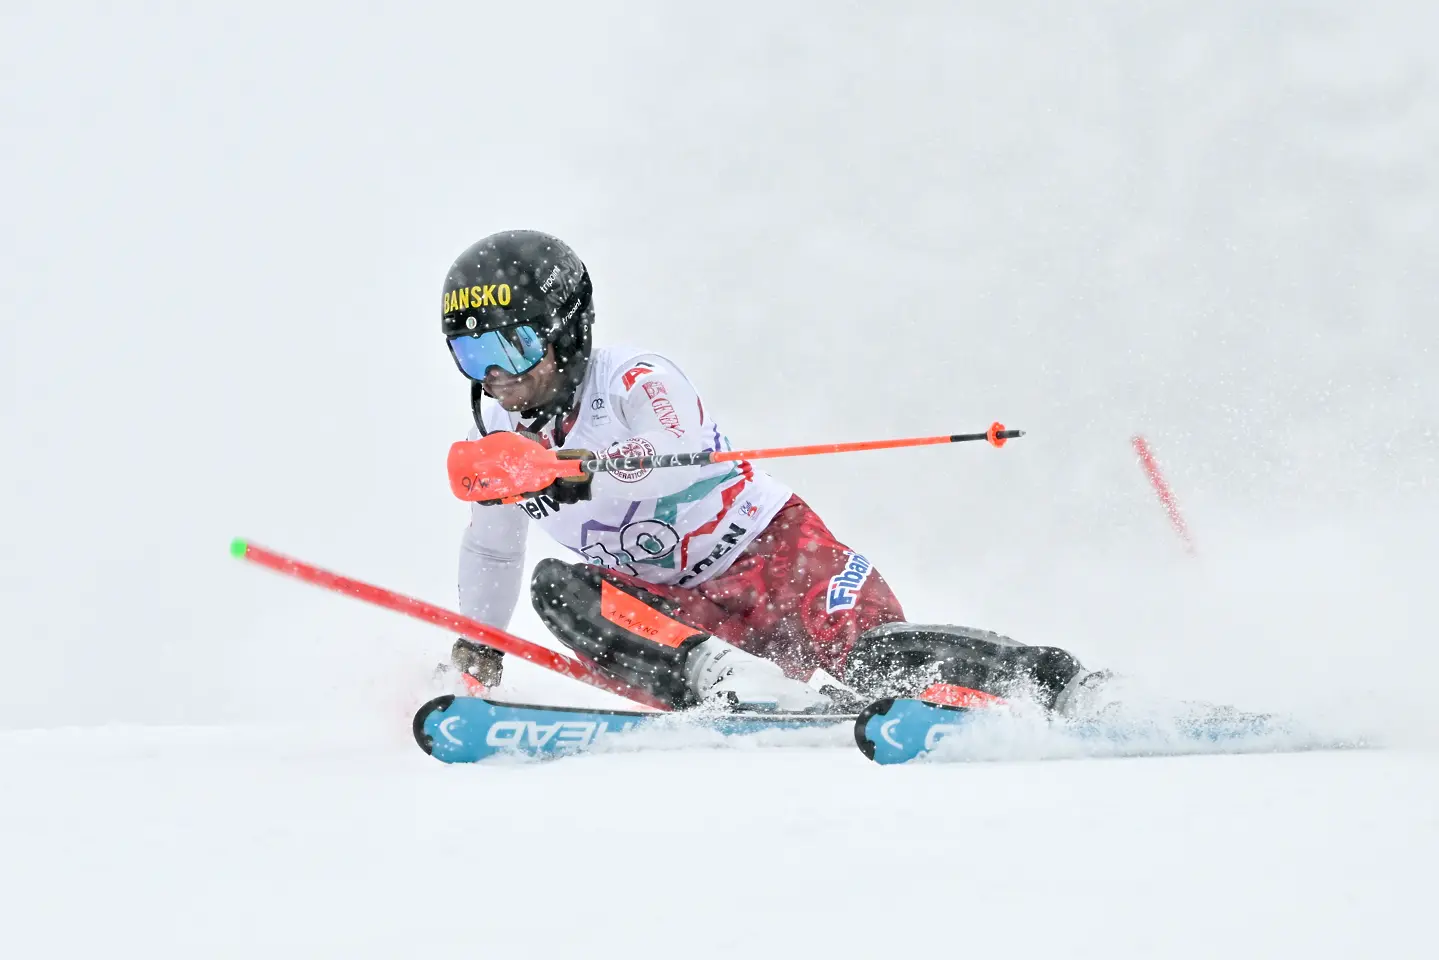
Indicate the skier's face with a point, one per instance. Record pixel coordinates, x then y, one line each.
533 388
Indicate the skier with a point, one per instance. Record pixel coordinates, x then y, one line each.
696 584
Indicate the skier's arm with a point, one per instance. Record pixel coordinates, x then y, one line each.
663 409
492 561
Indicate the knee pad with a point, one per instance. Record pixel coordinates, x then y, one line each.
902 659
627 631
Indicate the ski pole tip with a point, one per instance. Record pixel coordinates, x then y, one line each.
238 546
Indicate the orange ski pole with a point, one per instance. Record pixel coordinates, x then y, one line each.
506 466
996 435
464 626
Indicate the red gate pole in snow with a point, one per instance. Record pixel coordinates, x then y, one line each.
428 612
1162 490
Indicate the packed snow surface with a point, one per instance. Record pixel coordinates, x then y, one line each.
240 842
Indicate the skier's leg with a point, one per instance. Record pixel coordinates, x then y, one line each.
822 604
902 659
805 597
658 639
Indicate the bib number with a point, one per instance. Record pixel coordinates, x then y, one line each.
642 541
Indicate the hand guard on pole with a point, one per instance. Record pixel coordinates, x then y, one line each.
508 467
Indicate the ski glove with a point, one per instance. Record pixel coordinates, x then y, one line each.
571 489
485 664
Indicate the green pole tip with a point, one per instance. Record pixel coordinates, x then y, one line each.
238 548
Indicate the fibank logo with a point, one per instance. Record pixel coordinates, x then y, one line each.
844 586
469 298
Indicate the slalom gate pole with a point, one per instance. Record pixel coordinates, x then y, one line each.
464 626
1162 491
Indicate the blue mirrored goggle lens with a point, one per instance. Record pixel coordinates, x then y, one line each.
513 349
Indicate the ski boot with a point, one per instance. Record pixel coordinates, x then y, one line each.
721 675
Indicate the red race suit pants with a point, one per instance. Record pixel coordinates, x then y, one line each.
796 596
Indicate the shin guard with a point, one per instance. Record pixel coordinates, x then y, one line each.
627 631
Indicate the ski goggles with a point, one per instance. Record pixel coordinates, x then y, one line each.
514 350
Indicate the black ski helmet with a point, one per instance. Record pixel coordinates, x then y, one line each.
523 277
